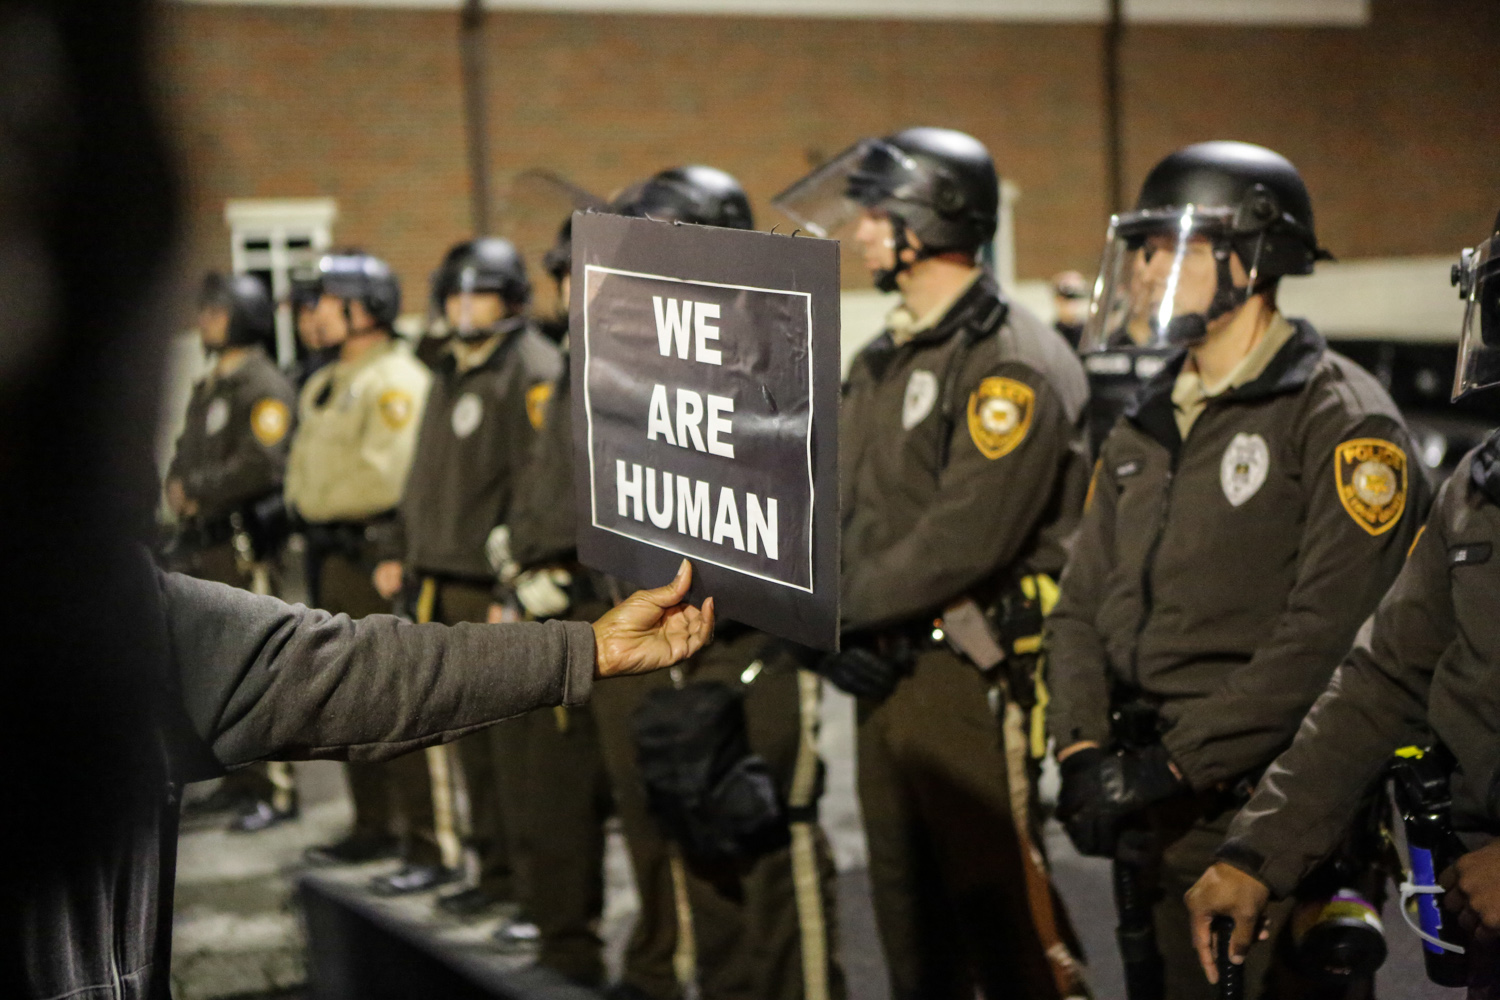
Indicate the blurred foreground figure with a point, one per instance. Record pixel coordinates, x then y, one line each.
963 469
1245 515
1426 667
224 488
741 902
129 681
1070 300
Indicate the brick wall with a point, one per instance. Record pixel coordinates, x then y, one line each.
1394 124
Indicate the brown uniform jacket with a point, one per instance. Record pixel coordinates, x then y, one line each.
234 440
1224 576
962 460
477 434
1427 663
541 519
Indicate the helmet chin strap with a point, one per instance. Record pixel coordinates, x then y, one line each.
1188 329
505 325
885 279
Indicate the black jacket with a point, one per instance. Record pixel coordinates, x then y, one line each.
242 678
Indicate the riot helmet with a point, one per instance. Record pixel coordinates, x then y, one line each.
355 276
247 304
1168 265
485 266
936 184
704 196
558 262
1477 276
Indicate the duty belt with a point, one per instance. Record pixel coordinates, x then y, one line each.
347 538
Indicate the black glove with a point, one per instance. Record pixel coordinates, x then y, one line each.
861 672
1081 807
1100 791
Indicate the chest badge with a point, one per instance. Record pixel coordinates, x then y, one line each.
217 417
921 395
1242 470
1370 474
467 413
1000 415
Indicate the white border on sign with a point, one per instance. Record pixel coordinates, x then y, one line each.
588 409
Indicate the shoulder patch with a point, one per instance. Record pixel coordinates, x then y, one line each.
270 419
536 404
1371 476
1000 415
396 408
1088 498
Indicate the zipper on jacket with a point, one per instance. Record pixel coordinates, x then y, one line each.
1148 567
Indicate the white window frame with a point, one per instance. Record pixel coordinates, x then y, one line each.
277 222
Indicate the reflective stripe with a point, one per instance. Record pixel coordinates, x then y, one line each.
685 955
806 884
440 766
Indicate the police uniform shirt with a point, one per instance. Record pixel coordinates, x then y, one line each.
356 431
1424 665
234 441
962 458
1224 573
482 418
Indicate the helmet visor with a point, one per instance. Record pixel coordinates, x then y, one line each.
473 305
827 201
1478 278
1158 279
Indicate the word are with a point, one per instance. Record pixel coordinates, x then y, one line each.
665 498
690 417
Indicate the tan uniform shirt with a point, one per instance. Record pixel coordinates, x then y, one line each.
356 431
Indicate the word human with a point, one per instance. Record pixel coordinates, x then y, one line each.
701 421
686 502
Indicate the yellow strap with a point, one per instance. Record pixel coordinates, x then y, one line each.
426 600
807 887
685 955
560 714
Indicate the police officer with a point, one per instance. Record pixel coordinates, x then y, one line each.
357 422
1423 667
311 354
963 472
761 925
489 389
565 787
224 486
1070 301
1244 517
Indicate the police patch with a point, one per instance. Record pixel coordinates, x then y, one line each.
1370 474
269 421
1000 415
217 417
467 413
536 404
921 394
1243 469
396 408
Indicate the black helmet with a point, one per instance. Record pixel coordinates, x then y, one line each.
487 264
701 195
252 314
355 276
939 182
307 288
1267 213
558 261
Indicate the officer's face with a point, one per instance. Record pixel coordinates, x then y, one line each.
213 327
307 327
331 324
1195 280
876 239
473 310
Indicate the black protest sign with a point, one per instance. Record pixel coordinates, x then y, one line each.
706 370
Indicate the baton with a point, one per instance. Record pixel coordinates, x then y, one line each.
1231 975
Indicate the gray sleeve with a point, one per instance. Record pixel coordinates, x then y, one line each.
262 679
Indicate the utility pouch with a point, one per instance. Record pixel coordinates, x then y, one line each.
710 794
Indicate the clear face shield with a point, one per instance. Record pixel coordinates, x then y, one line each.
471 310
827 202
1477 275
1165 276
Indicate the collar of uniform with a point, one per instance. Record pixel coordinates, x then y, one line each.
505 332
346 369
904 327
1190 393
1289 368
